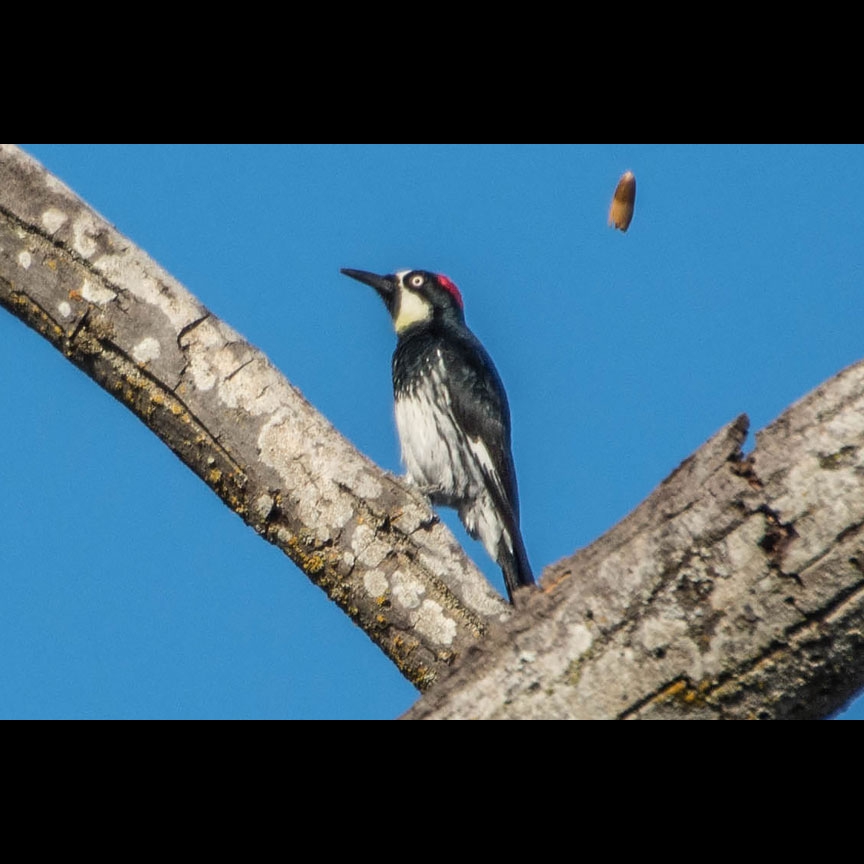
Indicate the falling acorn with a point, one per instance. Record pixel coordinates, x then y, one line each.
623 202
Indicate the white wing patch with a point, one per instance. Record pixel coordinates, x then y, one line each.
483 514
481 454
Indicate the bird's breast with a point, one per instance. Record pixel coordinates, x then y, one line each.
431 440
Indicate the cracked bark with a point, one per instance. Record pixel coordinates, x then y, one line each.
735 590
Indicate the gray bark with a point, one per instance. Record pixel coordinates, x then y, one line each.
373 544
735 590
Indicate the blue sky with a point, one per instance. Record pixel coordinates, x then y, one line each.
129 591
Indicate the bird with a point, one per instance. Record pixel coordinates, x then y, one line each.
452 414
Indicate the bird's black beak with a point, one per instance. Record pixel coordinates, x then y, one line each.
384 285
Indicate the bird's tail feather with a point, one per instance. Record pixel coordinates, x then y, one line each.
515 564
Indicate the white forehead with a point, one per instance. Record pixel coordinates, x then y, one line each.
400 276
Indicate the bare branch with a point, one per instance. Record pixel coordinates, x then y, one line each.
369 541
736 590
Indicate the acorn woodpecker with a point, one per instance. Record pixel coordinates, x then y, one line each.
452 414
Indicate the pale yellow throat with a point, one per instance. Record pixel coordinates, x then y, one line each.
412 309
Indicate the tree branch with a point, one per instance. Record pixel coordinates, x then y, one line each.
736 590
370 542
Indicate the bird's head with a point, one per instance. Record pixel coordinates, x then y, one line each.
414 296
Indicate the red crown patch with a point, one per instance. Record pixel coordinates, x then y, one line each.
450 286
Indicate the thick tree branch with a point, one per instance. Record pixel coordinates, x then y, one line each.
736 590
370 542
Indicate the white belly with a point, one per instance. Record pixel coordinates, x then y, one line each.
427 435
450 468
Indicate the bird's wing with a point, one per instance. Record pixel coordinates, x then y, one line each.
480 408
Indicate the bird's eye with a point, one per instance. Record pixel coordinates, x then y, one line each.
416 281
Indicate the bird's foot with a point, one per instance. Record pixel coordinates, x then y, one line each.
430 491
